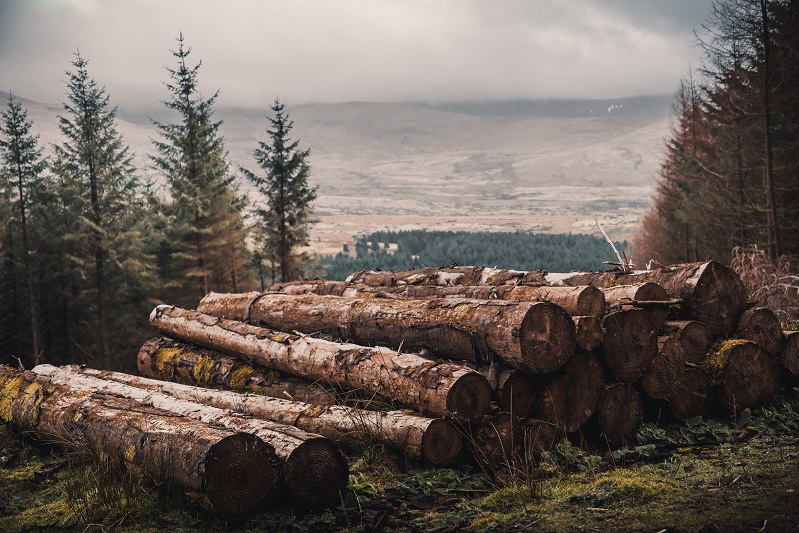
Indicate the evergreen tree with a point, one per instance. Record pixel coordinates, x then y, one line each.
22 168
205 246
101 207
286 219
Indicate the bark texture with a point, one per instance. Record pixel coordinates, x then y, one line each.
620 413
639 296
213 465
534 336
711 292
179 362
630 343
459 275
571 396
436 440
434 388
582 300
747 374
314 470
761 326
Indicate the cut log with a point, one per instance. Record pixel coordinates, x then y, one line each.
620 413
761 326
747 374
495 440
171 360
405 292
589 331
537 337
639 296
789 355
693 335
226 471
711 292
691 394
315 286
434 388
459 275
434 439
630 343
516 391
315 473
540 435
583 300
659 377
571 396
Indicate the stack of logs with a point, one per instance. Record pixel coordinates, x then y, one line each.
507 361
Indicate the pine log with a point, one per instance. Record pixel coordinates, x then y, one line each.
540 435
630 343
434 439
639 296
570 396
694 336
659 377
537 337
171 360
226 471
746 373
711 292
315 286
434 388
583 300
620 413
495 439
761 326
789 355
405 292
515 390
458 275
314 471
691 394
589 331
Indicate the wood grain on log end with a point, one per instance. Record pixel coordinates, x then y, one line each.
691 394
589 331
652 292
630 343
517 392
748 374
621 413
789 355
719 298
694 336
540 435
761 326
495 439
238 479
571 396
315 474
441 442
469 397
547 337
664 368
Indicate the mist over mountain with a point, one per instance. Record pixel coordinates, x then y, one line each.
532 165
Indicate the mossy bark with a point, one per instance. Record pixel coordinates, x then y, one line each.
211 464
746 374
435 388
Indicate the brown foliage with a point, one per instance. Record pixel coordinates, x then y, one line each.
773 284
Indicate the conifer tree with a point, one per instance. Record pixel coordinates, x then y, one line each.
205 246
23 165
286 219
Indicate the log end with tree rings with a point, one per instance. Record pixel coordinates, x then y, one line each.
571 395
691 394
517 392
694 336
761 326
630 343
547 338
719 298
441 443
589 331
494 441
590 302
747 373
469 397
242 471
540 435
316 474
789 355
664 369
652 292
620 412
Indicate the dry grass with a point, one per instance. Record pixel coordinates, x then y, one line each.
772 284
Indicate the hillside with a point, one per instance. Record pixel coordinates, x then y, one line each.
543 165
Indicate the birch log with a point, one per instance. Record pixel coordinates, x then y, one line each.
226 471
537 337
436 440
179 362
314 470
434 388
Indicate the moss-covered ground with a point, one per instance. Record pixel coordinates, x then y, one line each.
701 476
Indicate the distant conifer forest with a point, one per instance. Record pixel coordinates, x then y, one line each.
399 250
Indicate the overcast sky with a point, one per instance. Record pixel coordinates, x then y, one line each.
353 50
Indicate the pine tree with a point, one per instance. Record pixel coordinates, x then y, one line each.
286 219
205 249
23 164
101 209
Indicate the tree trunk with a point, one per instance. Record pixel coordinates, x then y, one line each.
571 396
436 440
175 361
589 331
620 413
694 336
747 374
691 394
212 465
459 275
711 292
761 326
534 336
789 355
630 343
635 296
314 470
434 388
